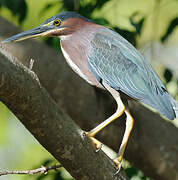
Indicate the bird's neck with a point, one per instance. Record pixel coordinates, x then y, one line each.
75 48
84 34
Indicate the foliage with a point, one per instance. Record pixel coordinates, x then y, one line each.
88 8
17 7
168 75
170 29
135 173
55 175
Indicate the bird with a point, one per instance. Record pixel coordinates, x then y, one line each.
106 60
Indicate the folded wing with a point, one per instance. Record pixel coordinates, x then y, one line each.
120 65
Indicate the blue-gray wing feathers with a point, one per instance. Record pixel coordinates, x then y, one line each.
120 65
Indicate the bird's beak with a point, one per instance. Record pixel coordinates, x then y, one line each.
35 32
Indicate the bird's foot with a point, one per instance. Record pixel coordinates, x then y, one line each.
96 144
118 164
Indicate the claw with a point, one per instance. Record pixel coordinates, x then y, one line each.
97 144
97 150
118 164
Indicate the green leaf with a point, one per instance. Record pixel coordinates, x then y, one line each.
47 7
168 75
131 171
17 7
101 21
69 5
170 29
129 35
58 176
100 3
138 25
3 119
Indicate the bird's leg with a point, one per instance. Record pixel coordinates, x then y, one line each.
128 129
97 144
120 110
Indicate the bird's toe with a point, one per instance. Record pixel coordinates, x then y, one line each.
96 144
118 164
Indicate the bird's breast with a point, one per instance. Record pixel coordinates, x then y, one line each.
75 56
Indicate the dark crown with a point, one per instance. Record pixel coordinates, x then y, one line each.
66 15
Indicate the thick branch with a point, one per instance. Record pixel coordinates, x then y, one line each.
153 144
21 91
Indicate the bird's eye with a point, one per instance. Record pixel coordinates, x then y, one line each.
57 22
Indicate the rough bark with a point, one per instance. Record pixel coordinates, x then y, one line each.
22 92
153 143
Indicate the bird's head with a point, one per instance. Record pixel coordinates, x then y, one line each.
62 24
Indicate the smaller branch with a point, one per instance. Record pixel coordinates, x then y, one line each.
31 64
42 170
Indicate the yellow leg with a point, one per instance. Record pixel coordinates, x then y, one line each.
97 144
128 129
129 125
120 110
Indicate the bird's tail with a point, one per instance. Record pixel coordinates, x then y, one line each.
165 104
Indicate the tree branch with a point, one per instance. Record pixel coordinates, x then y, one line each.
42 170
153 143
22 92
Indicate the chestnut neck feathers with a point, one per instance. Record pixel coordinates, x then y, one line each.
75 48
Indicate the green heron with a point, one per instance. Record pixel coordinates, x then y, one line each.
105 59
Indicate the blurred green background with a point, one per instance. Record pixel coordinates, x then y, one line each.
150 25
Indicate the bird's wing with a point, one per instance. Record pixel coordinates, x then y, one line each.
115 61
